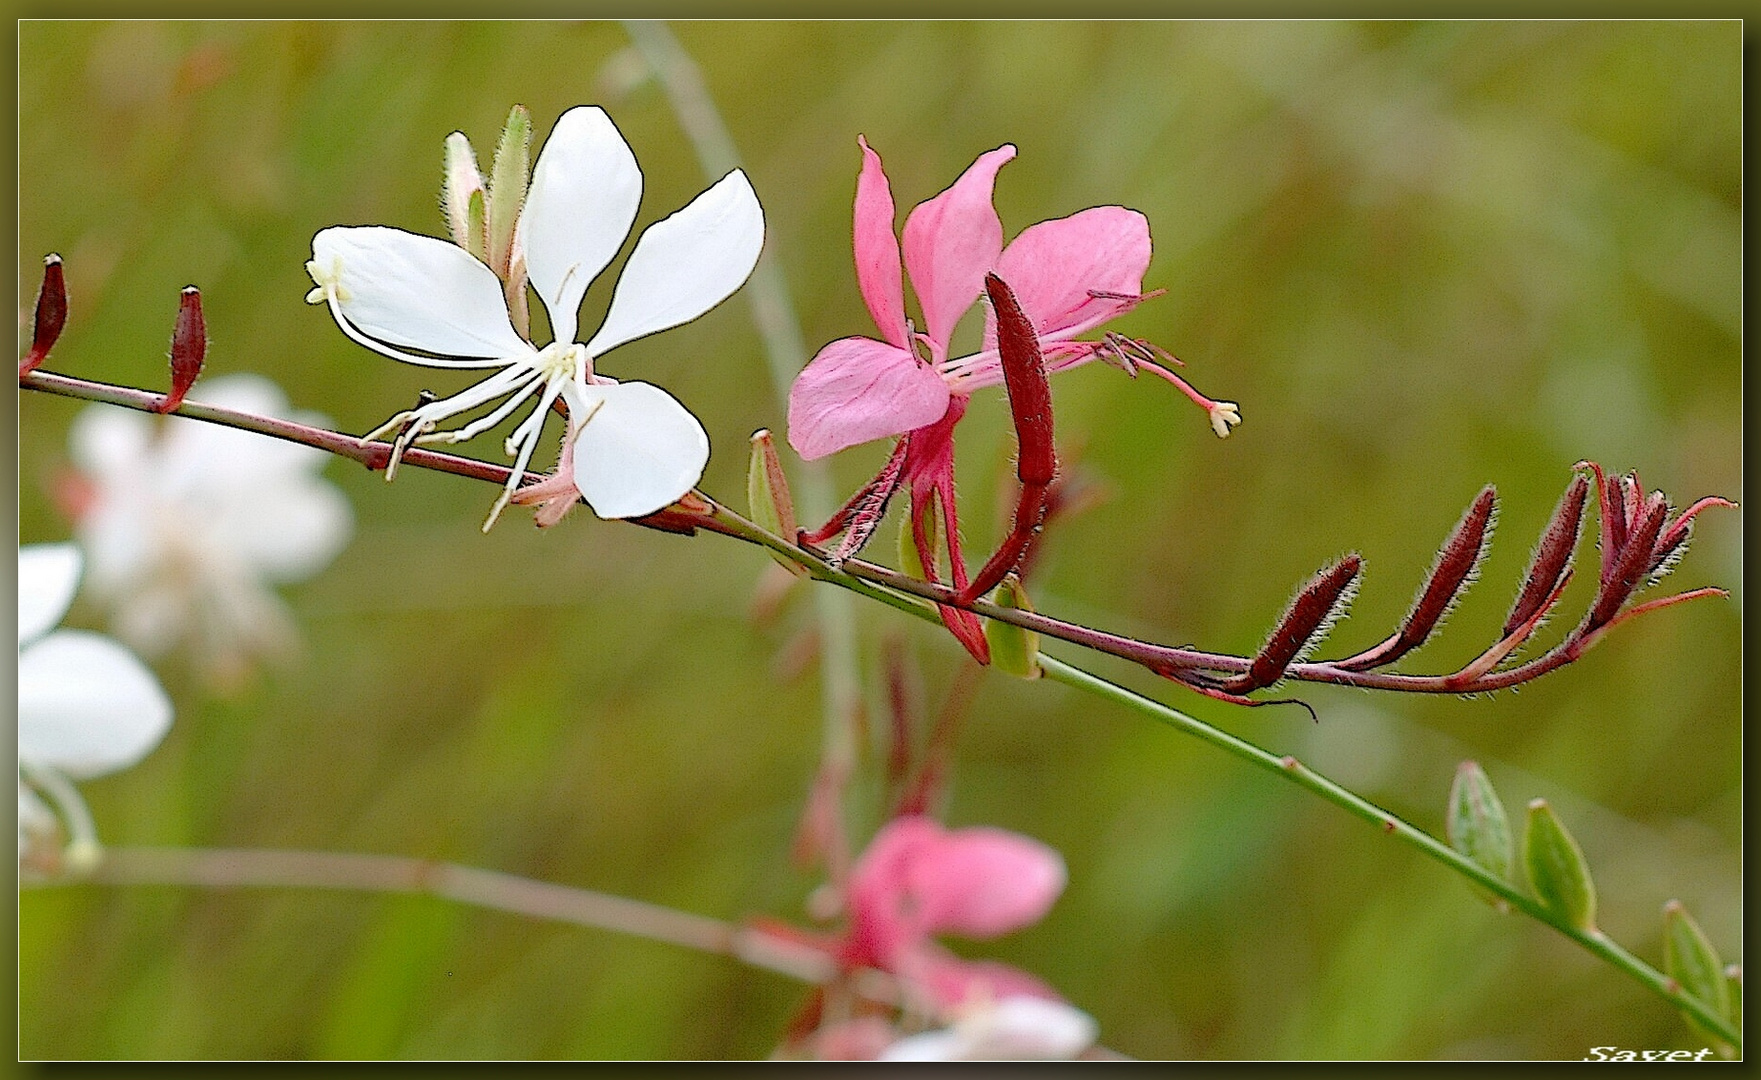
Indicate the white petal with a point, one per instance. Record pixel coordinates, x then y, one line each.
109 442
86 706
288 531
585 190
418 292
686 264
640 450
48 574
942 1045
34 817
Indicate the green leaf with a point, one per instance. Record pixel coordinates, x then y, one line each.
767 495
1013 649
1690 959
1558 874
508 178
1477 826
1733 974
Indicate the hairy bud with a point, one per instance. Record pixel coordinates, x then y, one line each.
189 348
51 316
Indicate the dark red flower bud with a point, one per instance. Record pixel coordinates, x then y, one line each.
189 347
51 316
1553 554
1304 623
1627 567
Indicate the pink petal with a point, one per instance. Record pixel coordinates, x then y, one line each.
917 879
882 910
984 882
953 982
877 250
951 242
859 389
1052 267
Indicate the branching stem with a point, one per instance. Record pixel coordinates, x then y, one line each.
905 594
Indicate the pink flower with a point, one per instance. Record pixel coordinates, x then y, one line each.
1071 275
918 880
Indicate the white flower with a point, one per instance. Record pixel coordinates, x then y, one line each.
1013 1029
635 448
86 706
186 528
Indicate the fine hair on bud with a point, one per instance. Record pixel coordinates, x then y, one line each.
1552 556
1632 563
1319 604
1456 567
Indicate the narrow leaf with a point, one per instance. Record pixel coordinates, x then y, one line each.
1558 874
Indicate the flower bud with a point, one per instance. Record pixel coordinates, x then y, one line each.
51 314
461 195
189 348
1477 827
768 498
508 178
1552 556
1558 874
1014 649
1690 959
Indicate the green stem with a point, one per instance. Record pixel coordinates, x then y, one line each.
1288 768
720 519
1598 943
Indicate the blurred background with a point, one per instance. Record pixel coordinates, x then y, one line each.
1422 256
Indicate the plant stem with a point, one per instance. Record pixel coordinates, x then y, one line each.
1598 943
234 868
862 579
785 353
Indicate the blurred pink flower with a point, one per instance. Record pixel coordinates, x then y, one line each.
918 880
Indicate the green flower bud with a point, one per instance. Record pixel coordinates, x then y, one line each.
1558 874
1013 650
1478 828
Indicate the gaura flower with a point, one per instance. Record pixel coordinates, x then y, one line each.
1071 275
86 705
918 880
633 448
187 526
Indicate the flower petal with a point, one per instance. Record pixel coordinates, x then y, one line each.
1016 1028
86 706
1053 266
418 292
686 264
951 242
584 194
48 575
877 250
859 389
639 449
983 882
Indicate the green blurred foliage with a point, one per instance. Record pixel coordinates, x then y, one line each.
1423 256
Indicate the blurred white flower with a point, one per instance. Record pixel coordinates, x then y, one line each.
186 528
1013 1029
86 706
